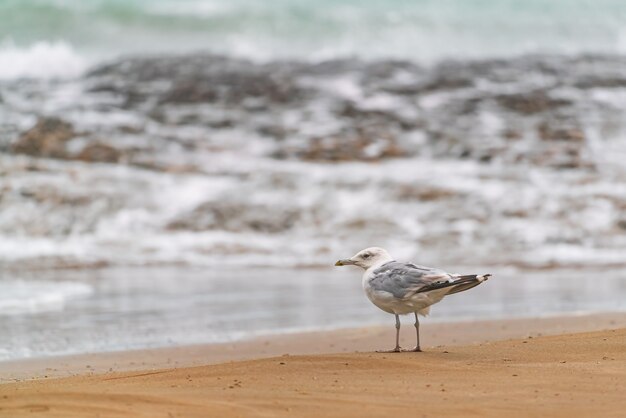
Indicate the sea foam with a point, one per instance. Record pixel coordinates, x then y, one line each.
18 297
43 60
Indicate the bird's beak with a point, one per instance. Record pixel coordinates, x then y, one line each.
346 262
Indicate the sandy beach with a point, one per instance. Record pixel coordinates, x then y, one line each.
463 372
181 181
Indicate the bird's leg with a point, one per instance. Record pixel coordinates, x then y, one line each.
417 332
397 333
397 349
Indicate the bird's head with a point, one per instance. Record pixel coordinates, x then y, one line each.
367 258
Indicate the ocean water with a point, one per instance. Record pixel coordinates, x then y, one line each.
176 172
35 35
119 309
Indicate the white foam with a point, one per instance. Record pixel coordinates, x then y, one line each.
19 297
44 60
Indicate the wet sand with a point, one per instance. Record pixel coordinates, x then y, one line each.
339 341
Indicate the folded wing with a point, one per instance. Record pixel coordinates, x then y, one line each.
403 280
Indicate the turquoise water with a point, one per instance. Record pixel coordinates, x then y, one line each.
424 30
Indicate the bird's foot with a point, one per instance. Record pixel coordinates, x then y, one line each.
414 350
395 350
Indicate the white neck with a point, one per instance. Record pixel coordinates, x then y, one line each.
378 263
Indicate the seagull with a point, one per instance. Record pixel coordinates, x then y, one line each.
404 288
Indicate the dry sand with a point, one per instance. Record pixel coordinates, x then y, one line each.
580 375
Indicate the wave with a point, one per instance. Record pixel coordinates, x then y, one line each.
517 161
424 31
42 60
19 297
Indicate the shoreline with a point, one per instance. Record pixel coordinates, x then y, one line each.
352 340
567 375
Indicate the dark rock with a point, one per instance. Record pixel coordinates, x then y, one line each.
436 83
323 112
601 82
376 117
231 88
191 91
332 67
447 82
231 216
221 124
511 134
127 129
470 106
355 147
548 132
274 131
197 79
530 103
48 138
102 153
423 193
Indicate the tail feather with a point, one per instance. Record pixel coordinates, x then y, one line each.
474 280
463 287
461 283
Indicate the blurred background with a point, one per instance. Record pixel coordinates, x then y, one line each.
176 172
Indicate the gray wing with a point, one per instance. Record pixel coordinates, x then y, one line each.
403 280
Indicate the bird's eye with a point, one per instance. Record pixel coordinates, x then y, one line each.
366 256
